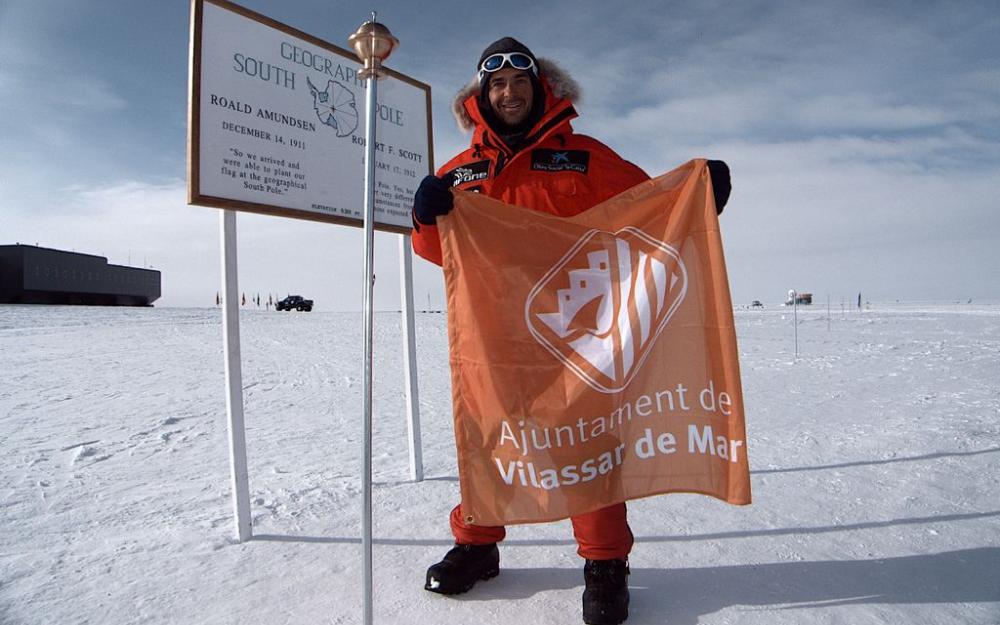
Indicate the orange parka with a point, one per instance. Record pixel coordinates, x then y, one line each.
555 171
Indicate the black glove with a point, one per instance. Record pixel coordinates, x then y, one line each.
721 184
432 199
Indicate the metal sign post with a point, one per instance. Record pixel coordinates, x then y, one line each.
410 358
234 377
373 43
795 320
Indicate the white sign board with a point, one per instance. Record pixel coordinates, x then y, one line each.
276 123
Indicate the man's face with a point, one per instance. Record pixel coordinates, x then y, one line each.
511 95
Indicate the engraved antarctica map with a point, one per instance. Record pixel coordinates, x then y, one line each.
335 107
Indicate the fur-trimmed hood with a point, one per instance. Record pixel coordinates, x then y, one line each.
559 81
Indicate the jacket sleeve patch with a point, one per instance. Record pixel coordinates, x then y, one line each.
469 172
560 160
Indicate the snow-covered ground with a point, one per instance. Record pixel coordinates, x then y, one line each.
875 459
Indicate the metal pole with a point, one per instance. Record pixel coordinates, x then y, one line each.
234 377
371 99
373 43
795 314
410 359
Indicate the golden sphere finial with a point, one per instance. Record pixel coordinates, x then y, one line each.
373 43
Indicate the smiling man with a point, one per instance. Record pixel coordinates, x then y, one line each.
524 152
523 149
510 94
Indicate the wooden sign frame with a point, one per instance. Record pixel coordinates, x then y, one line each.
195 195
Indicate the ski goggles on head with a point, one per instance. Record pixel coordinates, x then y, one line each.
494 62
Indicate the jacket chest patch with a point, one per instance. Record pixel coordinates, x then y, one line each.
470 172
560 160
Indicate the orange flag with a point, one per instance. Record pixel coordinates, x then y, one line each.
593 358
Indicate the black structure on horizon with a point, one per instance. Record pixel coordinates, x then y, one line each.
40 275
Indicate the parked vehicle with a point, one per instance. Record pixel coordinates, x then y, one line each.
294 301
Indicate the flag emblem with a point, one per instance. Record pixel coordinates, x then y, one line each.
601 307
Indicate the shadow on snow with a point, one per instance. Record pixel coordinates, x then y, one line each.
680 596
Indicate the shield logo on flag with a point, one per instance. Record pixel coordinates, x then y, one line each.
601 307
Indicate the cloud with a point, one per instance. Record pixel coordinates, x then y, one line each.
28 88
51 108
41 73
836 214
867 112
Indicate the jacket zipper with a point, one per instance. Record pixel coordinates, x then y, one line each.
505 156
549 125
501 157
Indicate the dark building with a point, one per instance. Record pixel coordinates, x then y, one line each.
38 275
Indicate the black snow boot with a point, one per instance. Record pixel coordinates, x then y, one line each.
605 599
462 567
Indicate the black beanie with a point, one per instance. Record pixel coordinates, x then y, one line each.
509 44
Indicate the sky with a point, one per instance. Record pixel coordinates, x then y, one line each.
863 138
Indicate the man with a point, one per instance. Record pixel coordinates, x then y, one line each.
524 152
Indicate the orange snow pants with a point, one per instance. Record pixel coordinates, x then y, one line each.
600 535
